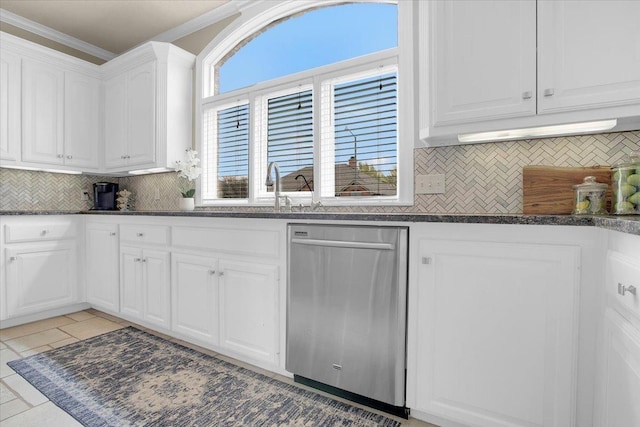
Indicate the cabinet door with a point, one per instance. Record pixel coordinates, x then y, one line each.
484 60
115 122
42 113
131 282
10 117
194 297
40 277
619 390
588 54
81 120
101 271
249 309
497 332
157 287
141 104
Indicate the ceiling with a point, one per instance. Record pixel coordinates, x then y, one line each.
114 26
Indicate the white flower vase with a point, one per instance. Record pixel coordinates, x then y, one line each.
187 204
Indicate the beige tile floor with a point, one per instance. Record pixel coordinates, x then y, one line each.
21 405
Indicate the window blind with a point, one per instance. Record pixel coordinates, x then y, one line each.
290 139
233 152
365 123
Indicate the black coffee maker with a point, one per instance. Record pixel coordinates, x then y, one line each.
104 196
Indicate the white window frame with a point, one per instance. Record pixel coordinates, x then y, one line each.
254 19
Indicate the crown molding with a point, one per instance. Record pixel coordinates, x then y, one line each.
54 35
204 20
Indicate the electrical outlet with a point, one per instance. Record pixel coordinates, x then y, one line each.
84 196
429 184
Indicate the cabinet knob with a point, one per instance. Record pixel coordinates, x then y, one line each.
13 258
527 95
221 273
548 92
622 289
69 157
112 234
143 260
44 232
60 156
139 234
212 272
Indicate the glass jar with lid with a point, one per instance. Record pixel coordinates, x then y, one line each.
590 197
625 185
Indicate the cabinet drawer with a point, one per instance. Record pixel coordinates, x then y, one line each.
149 234
229 240
38 232
623 280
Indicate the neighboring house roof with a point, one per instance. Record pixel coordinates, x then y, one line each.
350 181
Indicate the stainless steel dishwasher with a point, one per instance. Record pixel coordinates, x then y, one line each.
346 311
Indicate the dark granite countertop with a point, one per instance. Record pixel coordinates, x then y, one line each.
626 224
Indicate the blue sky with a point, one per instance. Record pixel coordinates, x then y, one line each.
316 38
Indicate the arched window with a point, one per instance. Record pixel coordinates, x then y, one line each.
314 88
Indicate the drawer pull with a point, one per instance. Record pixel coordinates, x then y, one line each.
622 289
112 234
548 92
139 234
13 258
212 272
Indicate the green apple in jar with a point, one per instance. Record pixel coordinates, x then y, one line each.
622 207
624 190
635 198
634 180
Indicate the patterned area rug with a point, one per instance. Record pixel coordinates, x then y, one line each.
131 378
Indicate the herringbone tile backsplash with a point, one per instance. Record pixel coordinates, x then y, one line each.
481 178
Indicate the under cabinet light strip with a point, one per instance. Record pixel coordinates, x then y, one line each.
572 128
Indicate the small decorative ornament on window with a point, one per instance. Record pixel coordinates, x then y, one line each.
188 171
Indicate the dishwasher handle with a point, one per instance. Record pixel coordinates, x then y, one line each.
343 244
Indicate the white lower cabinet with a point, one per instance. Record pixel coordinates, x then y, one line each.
40 277
496 334
38 265
102 281
618 384
248 309
145 285
619 391
227 303
194 297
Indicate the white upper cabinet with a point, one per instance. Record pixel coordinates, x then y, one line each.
148 108
10 100
479 73
62 113
81 120
50 108
42 113
498 65
589 54
130 118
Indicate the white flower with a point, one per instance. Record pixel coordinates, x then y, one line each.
188 170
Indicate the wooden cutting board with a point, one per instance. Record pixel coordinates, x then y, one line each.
548 190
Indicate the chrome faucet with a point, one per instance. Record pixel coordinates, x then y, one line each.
269 182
